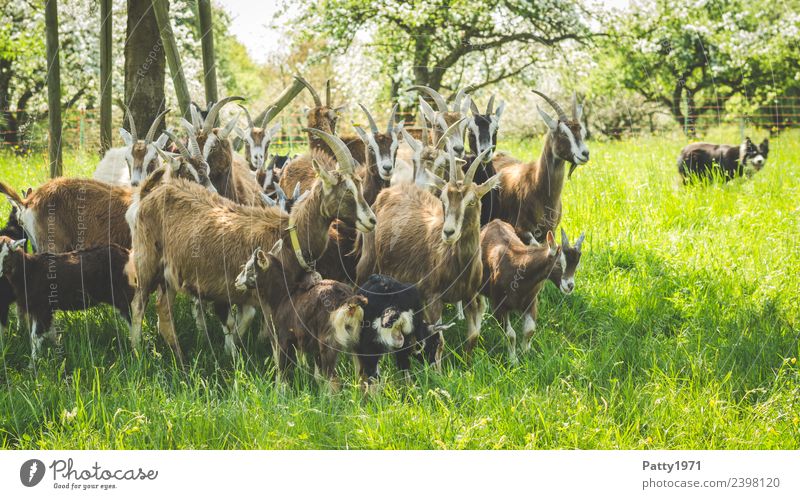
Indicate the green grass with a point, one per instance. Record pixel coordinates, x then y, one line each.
682 333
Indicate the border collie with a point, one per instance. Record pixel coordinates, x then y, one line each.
731 161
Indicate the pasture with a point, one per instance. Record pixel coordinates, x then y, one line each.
683 332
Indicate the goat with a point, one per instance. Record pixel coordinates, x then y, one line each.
427 161
320 319
232 179
183 231
563 274
431 242
320 117
257 140
376 151
701 159
139 156
66 214
482 128
530 193
446 116
75 280
513 273
394 314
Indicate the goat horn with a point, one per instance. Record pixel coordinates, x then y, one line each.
564 238
574 105
181 147
247 115
474 166
392 118
197 120
343 156
267 116
561 114
314 94
436 96
372 125
223 134
490 107
131 124
454 170
152 132
211 117
296 192
455 127
280 193
459 97
328 93
411 141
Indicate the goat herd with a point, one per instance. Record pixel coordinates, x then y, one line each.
354 246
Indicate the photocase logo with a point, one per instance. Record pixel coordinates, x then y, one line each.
31 472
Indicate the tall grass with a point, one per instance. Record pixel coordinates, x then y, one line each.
683 332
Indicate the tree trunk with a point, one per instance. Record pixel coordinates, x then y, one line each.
145 66
207 43
53 88
105 75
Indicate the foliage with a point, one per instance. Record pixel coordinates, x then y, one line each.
682 333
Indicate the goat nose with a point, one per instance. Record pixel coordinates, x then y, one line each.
570 286
449 232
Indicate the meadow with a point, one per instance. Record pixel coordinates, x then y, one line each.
683 332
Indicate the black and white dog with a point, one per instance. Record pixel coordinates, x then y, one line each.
731 161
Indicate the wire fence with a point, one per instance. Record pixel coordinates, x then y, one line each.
81 127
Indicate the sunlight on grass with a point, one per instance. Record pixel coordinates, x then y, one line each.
682 333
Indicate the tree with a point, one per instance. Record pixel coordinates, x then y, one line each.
144 65
693 57
444 44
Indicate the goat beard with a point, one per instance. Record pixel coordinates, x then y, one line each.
572 167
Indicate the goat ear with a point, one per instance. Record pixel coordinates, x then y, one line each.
268 200
126 137
579 242
306 111
550 122
262 260
484 188
325 176
564 238
15 245
500 108
411 141
361 133
161 142
551 240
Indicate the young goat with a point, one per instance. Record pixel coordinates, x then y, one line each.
530 193
513 273
66 214
191 240
47 282
431 242
128 165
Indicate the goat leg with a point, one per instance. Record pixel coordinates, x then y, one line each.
529 326
165 300
474 312
512 339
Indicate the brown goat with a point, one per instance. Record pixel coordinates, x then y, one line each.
191 240
76 280
257 140
431 242
513 274
445 117
321 318
66 214
530 193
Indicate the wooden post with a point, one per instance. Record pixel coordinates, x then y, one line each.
53 88
161 11
276 107
207 44
105 76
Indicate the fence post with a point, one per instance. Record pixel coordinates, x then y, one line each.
53 88
173 57
207 43
105 76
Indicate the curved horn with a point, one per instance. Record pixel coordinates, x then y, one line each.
372 125
474 166
197 120
247 115
328 93
211 117
223 134
561 114
454 169
131 124
152 132
436 96
490 107
392 118
455 127
266 115
314 94
460 97
181 147
343 157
